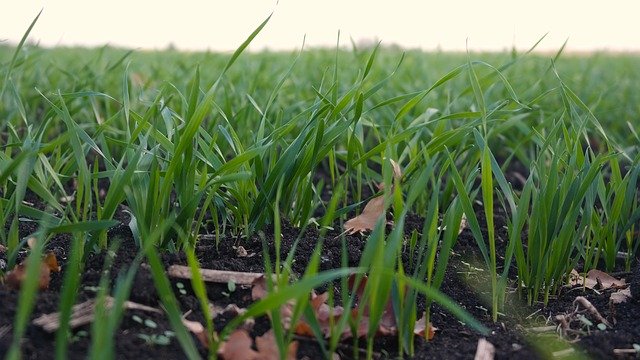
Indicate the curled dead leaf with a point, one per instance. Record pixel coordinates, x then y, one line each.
15 277
621 296
241 251
605 280
595 279
424 329
366 221
373 210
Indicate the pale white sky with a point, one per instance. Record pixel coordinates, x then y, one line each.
223 25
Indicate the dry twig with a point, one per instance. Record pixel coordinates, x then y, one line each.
82 314
217 276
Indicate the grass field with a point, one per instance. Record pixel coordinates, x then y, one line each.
207 143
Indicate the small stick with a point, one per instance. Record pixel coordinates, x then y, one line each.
542 329
83 313
624 351
217 276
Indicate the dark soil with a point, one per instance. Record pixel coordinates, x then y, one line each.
464 282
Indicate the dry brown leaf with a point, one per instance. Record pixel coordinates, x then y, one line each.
575 278
367 220
621 296
606 281
15 277
268 348
327 315
241 251
593 278
51 262
238 347
421 328
198 330
259 288
231 310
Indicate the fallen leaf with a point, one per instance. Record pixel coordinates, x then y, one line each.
327 316
268 348
15 277
259 288
374 209
594 277
241 251
230 310
606 281
620 296
575 278
51 261
238 347
367 219
421 328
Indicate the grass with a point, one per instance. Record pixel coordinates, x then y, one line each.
230 143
